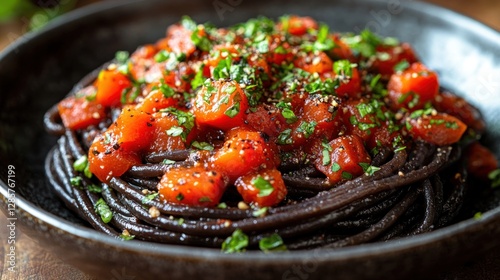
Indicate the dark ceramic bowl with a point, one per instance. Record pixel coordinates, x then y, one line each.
39 69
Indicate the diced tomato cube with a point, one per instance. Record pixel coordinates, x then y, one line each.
480 161
297 26
361 118
440 129
269 121
161 140
134 129
340 158
458 107
351 87
193 186
389 56
323 112
221 105
314 63
264 188
155 101
107 159
279 51
340 50
244 151
110 86
413 88
179 40
79 113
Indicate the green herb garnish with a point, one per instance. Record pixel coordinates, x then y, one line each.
273 242
235 243
103 210
264 186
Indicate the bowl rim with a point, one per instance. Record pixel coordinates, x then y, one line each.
373 249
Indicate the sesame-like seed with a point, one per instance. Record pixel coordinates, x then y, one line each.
154 212
242 205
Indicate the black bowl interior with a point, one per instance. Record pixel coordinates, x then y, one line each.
39 69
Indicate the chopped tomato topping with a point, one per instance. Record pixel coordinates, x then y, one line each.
134 129
340 158
163 139
244 151
155 101
459 108
110 86
350 86
413 87
194 186
314 63
389 56
480 161
322 113
80 113
107 158
268 120
264 188
179 40
297 26
221 105
440 129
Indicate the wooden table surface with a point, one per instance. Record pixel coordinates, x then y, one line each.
34 262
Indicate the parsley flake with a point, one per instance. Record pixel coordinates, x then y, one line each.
148 198
273 242
494 176
264 186
235 243
369 169
102 208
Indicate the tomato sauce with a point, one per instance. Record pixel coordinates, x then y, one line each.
248 96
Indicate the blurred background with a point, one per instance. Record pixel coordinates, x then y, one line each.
20 16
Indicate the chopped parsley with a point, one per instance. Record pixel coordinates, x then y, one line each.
202 146
286 112
162 56
222 205
166 89
179 197
343 67
260 212
264 186
76 181
285 137
235 243
102 208
233 110
168 161
201 41
369 169
346 175
205 199
121 57
494 176
175 131
335 167
327 149
150 197
401 66
94 188
127 237
82 165
185 120
307 128
273 242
